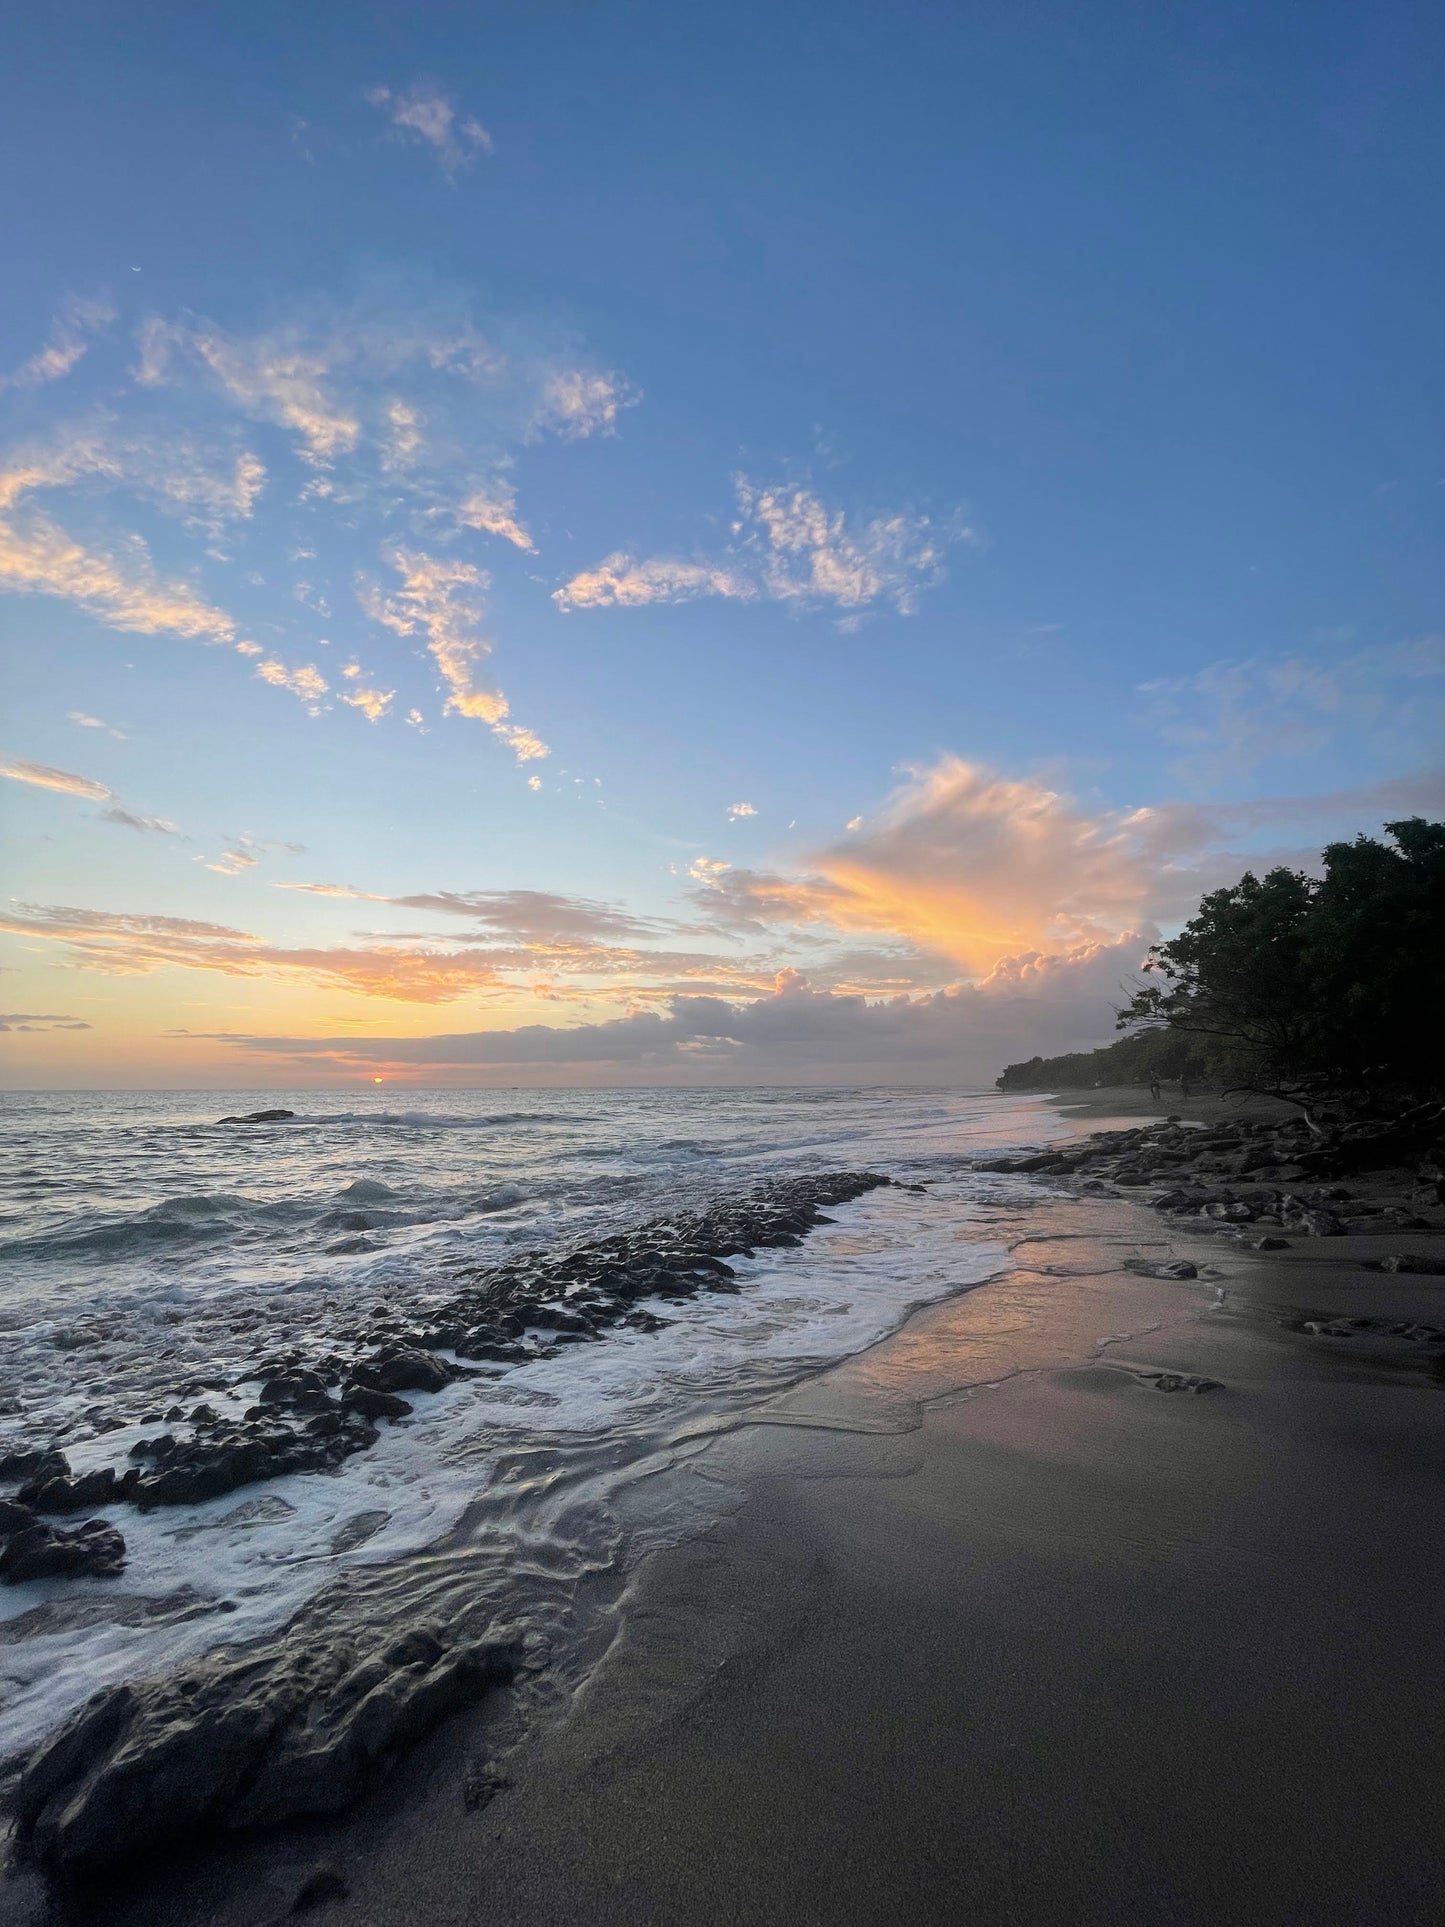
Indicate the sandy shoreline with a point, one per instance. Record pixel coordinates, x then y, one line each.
1001 1631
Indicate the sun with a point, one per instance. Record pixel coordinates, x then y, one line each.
378 1080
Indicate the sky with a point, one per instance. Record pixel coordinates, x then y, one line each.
628 544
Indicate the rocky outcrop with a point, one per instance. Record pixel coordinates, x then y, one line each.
231 1742
309 1416
1250 1179
258 1117
32 1549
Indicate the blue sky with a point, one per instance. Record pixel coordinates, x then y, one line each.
453 460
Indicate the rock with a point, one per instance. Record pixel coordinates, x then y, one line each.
302 1391
36 1468
374 1404
297 1425
402 1368
93 1551
1266 1243
1311 1219
1184 1382
14 1517
232 1742
60 1494
1161 1268
1414 1262
258 1117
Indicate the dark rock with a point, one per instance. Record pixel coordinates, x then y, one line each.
230 1743
60 1494
300 1390
1267 1243
14 1517
1414 1262
36 1468
1313 1220
93 1551
258 1117
374 1404
574 1294
402 1368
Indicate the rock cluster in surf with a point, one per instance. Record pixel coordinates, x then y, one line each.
1254 1178
283 1729
310 1415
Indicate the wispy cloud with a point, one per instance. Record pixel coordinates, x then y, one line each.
621 582
1233 717
121 588
426 116
306 683
82 721
577 402
811 553
542 941
790 547
71 333
521 916
128 819
278 378
32 1020
736 810
245 852
397 397
443 600
46 778
493 510
42 776
373 703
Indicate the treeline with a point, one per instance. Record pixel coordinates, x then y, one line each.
1133 1060
1327 991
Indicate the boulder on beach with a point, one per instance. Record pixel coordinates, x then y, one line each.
240 1740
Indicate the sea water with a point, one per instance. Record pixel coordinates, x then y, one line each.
150 1253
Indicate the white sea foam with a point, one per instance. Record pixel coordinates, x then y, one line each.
533 1455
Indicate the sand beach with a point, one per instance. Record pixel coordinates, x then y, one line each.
1008 1623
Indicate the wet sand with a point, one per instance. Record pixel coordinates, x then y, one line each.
1000 1631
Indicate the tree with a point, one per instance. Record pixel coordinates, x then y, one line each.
1324 990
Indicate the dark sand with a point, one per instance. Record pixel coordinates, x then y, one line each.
1000 1634
1132 1101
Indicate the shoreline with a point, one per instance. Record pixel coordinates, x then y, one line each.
931 1531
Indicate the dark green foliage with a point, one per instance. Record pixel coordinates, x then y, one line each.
1165 1054
1325 991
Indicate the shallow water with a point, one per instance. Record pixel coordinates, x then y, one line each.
148 1254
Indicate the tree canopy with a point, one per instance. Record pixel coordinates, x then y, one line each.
1328 990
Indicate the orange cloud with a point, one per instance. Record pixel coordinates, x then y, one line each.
442 600
978 866
46 778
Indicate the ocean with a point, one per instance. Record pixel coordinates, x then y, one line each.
150 1255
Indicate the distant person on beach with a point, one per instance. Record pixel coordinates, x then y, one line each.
1184 1083
1154 1089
